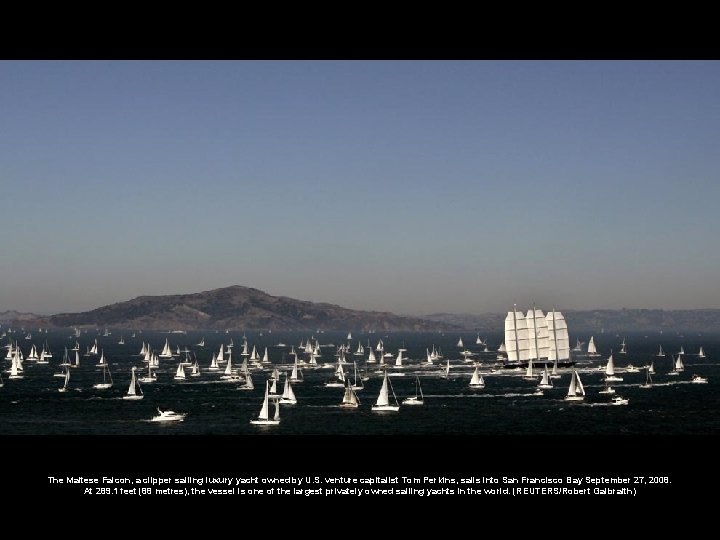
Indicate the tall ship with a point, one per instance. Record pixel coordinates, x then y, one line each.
544 339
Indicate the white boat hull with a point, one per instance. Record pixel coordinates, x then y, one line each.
265 422
413 401
574 398
102 386
133 398
388 408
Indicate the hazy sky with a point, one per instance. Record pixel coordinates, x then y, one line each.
410 186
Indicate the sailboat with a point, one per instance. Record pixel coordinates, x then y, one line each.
371 357
107 378
180 373
202 342
679 366
478 341
661 353
296 375
607 390
578 346
102 360
383 402
134 391
623 349
592 350
418 398
122 340
151 377
460 343
446 371
16 366
263 418
265 358
651 369
213 364
357 381
476 381
288 395
67 380
350 399
195 369
529 375
545 382
648 378
701 353
610 370
576 392
166 352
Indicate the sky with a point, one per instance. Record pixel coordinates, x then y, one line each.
407 186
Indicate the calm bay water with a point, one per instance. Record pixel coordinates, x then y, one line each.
674 406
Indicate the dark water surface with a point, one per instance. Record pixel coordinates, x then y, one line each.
674 406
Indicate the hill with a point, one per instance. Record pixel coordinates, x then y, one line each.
238 308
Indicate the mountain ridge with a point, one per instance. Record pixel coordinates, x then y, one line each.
234 307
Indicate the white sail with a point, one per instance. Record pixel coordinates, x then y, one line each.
265 358
610 370
383 400
460 343
213 364
66 381
350 398
264 411
610 367
288 395
529 375
679 366
180 373
295 375
228 367
592 350
623 347
701 353
558 337
134 390
516 337
371 357
399 359
379 346
502 348
545 381
166 352
476 380
537 327
576 392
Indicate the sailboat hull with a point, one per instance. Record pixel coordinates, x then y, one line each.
386 408
265 422
133 398
412 401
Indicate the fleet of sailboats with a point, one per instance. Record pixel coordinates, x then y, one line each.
539 340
